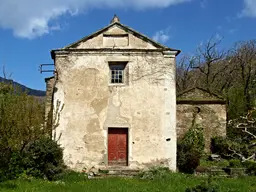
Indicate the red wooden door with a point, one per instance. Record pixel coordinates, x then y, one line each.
117 146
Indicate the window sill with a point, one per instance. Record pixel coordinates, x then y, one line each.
116 85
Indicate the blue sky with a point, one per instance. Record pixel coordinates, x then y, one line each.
30 29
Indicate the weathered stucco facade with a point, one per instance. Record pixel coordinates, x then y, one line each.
205 109
50 84
144 103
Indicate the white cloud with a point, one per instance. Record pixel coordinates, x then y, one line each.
233 30
162 36
250 9
203 4
218 37
32 18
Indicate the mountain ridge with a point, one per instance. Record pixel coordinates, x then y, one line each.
30 91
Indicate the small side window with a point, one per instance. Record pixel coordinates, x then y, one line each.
117 72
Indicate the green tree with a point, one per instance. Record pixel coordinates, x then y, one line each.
21 118
26 144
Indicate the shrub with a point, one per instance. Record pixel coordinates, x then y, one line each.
4 159
188 160
190 149
194 138
219 145
15 165
11 165
251 167
43 158
235 163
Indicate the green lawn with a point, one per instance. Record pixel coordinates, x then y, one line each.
173 182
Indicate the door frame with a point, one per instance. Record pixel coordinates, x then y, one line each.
128 140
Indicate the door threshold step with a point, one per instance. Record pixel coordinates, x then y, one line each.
118 171
102 176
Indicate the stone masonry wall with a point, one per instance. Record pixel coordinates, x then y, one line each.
211 117
49 94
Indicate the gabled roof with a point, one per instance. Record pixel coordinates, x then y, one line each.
128 30
191 90
49 78
197 95
201 89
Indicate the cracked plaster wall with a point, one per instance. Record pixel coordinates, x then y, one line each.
146 105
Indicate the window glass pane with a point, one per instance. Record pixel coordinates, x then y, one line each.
117 72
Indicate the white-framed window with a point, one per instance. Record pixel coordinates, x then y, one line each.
117 72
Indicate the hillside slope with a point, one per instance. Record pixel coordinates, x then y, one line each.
33 92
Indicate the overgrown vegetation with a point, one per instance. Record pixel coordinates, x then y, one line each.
26 147
250 167
190 149
228 73
240 145
173 182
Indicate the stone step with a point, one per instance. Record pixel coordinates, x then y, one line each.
123 172
215 171
101 176
218 172
118 171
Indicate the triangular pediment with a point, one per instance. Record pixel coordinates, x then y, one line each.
117 35
197 93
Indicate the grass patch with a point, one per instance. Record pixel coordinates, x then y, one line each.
173 182
7 185
70 176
